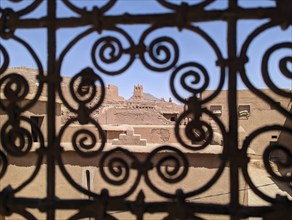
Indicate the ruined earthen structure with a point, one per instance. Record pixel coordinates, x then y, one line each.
138 93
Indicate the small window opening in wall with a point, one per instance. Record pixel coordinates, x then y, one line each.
216 109
244 111
172 118
38 120
84 89
87 174
87 180
274 137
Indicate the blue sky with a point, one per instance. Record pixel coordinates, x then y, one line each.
193 48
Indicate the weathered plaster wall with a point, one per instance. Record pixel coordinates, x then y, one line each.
261 114
160 134
202 168
153 134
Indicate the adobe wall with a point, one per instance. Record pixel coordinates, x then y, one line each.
112 92
38 110
110 135
159 134
202 168
71 129
138 93
261 114
112 115
153 134
30 76
285 139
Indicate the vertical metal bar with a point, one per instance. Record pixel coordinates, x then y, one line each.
51 105
233 118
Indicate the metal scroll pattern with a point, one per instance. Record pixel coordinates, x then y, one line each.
160 55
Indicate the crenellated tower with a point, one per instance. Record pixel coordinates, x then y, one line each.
138 93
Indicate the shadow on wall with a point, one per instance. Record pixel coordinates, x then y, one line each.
285 139
284 186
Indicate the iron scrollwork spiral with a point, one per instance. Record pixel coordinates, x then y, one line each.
283 66
176 159
83 87
112 55
17 140
196 130
193 78
109 56
117 168
161 54
4 62
3 164
15 88
117 165
265 73
84 141
286 161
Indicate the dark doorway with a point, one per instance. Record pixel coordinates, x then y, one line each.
38 121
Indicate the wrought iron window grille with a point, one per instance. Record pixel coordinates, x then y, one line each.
177 205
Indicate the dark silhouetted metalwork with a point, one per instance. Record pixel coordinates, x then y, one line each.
83 90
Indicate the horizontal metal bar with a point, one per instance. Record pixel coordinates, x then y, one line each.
114 204
167 19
